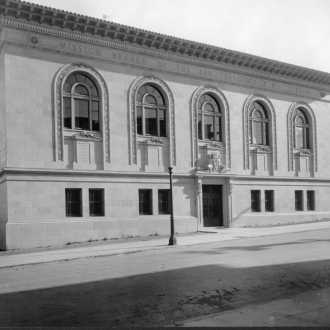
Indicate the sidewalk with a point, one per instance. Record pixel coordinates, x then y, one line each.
311 309
19 258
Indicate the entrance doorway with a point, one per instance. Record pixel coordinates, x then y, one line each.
212 206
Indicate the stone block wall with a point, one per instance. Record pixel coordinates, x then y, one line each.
3 128
37 210
284 202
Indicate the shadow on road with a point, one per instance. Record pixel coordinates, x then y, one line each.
155 299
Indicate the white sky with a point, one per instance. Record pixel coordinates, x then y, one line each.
291 31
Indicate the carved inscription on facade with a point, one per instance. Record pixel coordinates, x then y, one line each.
83 153
153 157
189 69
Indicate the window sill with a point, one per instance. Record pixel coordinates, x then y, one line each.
142 138
76 130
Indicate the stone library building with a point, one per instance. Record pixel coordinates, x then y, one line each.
93 113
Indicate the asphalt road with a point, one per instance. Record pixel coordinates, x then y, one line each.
162 287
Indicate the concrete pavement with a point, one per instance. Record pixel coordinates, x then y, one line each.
19 258
311 309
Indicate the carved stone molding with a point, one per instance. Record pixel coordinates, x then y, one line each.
265 149
220 96
60 78
132 110
154 140
83 135
246 122
214 165
312 118
214 144
179 52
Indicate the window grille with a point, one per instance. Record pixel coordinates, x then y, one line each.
269 200
96 202
255 200
164 203
73 202
310 200
145 205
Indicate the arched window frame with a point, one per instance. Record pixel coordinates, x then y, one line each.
304 126
268 106
157 106
215 115
170 122
74 96
308 111
220 97
263 120
59 80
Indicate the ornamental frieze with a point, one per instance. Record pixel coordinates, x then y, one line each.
113 51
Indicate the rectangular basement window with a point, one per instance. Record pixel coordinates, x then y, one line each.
269 200
145 201
298 195
255 200
96 202
73 202
310 200
164 203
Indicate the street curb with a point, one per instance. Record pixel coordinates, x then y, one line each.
151 249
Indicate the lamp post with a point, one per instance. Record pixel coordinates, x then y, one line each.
172 240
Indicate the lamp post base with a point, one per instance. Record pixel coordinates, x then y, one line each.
172 241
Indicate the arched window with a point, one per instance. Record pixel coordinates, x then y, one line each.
81 103
150 111
258 125
209 118
301 129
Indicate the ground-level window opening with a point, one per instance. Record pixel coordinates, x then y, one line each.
255 200
298 194
145 201
73 202
310 200
164 203
96 202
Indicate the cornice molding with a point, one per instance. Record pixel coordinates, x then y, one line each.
47 20
96 174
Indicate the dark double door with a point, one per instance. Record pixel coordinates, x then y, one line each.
212 206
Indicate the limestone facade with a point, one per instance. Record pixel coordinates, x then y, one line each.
42 160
